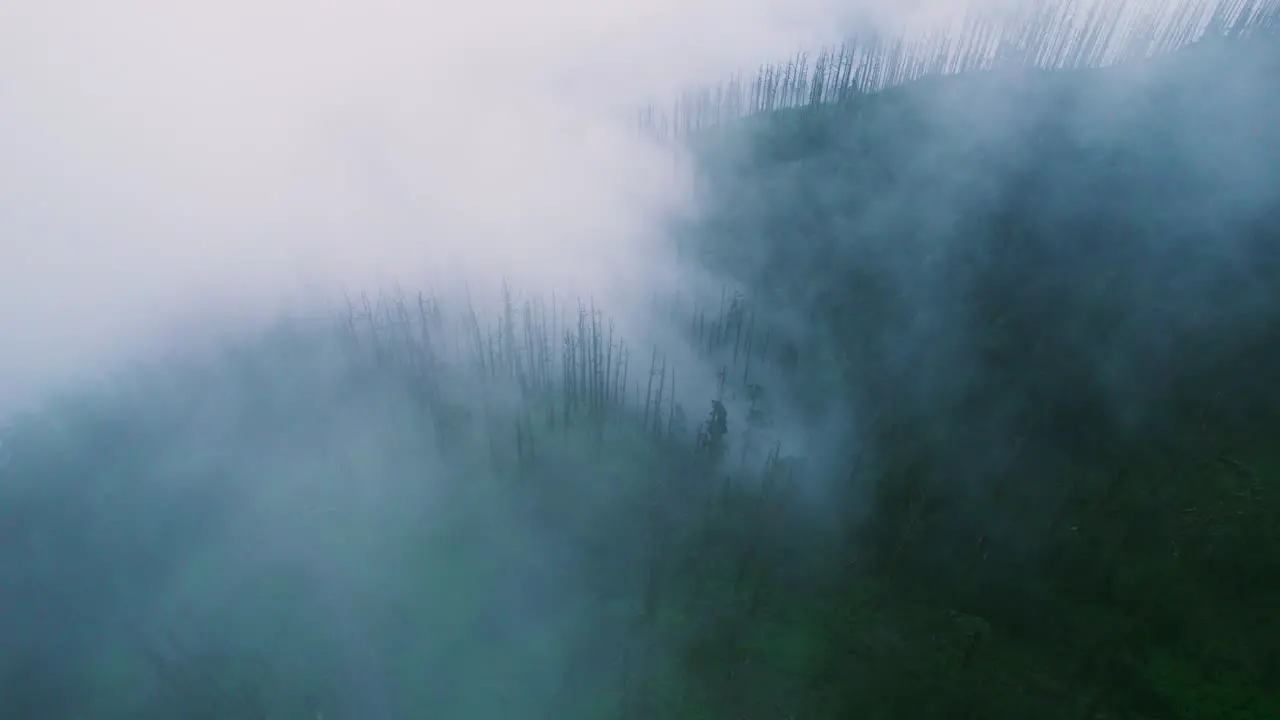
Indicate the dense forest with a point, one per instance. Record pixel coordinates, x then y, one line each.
982 424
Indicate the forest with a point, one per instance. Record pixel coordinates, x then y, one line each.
979 418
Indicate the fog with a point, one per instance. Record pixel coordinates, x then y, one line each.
369 512
175 177
161 159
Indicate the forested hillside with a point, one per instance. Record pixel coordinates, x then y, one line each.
991 432
1047 302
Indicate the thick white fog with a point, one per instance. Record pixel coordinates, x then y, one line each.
160 158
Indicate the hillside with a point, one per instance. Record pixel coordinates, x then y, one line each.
1050 300
1019 236
994 437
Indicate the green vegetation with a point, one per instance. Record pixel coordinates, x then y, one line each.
988 430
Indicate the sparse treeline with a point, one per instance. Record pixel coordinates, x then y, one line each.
565 361
1057 34
537 380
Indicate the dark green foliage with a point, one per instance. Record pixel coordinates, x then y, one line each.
1057 317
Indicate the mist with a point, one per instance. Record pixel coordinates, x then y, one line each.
388 360
252 504
161 161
